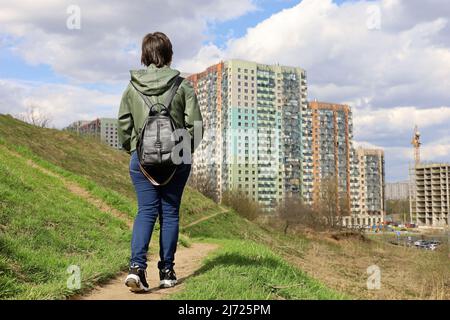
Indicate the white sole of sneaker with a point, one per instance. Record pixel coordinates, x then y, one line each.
167 283
134 283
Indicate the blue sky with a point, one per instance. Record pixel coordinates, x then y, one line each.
13 66
393 76
220 32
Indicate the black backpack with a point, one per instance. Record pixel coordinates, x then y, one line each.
157 139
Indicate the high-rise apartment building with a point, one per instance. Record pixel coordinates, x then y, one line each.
430 196
262 138
105 129
255 121
332 134
371 186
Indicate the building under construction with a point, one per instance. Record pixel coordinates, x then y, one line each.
430 200
429 189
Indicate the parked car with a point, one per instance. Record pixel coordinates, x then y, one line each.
419 243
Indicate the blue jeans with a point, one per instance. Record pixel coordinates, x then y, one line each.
153 201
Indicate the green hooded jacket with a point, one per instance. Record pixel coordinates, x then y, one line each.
155 82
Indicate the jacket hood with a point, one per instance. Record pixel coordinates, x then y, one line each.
153 80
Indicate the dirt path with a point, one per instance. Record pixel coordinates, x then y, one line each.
223 210
188 260
78 190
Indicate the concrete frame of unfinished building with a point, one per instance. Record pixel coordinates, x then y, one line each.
430 194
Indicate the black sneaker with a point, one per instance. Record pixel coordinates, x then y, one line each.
168 278
136 280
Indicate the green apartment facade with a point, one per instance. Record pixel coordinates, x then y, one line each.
264 139
253 120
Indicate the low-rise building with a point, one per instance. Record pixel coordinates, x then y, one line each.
397 190
105 129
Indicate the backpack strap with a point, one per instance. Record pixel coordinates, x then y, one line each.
172 92
143 96
168 101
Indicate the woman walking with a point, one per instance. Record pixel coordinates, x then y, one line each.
158 191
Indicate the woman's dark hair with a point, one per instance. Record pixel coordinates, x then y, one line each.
156 49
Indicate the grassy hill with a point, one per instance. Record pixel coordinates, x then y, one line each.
67 200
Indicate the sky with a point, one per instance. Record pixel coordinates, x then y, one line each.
388 59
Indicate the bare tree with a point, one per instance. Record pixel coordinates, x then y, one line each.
333 205
242 204
201 183
34 116
293 212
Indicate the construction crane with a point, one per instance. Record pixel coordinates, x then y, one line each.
416 144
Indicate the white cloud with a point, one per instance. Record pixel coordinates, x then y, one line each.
348 62
99 51
207 55
438 150
399 120
393 78
61 103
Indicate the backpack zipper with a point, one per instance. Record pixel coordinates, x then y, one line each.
158 141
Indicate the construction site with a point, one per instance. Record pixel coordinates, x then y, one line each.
429 190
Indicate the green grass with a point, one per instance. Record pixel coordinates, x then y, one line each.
82 156
96 166
243 269
44 228
247 265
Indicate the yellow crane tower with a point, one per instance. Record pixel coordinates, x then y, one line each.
412 172
416 144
